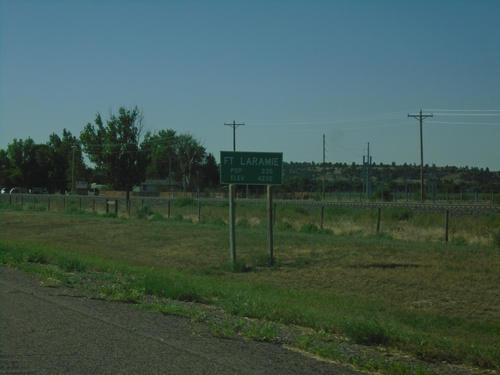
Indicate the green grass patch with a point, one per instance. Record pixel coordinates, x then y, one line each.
434 301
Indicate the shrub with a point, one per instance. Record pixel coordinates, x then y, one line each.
309 228
144 212
366 333
243 223
218 221
157 217
284 226
184 201
496 239
401 214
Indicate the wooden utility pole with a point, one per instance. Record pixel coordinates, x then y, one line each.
324 167
232 205
234 125
421 117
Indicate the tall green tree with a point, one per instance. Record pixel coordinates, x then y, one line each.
114 147
190 154
22 163
4 169
210 173
161 154
67 162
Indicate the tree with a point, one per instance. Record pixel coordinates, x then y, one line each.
22 162
4 168
210 174
161 154
114 148
61 152
190 153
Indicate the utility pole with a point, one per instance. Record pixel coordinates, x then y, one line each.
324 167
421 117
73 171
234 125
367 172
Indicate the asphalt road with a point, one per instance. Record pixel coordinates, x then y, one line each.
45 332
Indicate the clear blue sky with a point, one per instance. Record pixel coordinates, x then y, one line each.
290 70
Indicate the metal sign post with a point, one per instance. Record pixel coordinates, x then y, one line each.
270 240
250 168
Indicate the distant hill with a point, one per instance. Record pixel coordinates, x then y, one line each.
354 177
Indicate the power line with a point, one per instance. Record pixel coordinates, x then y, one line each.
463 110
465 123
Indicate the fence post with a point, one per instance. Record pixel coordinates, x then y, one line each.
447 225
116 207
322 216
48 204
378 220
168 209
93 205
80 203
199 211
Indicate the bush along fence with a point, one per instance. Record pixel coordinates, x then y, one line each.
299 215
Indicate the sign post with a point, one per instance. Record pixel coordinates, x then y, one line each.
250 168
270 247
232 221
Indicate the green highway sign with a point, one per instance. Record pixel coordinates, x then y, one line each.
251 168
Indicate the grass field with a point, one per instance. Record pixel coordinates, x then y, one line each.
404 289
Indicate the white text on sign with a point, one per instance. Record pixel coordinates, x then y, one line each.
253 161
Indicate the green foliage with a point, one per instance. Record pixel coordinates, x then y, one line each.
366 332
309 228
144 212
157 217
459 241
284 226
243 224
123 161
218 221
496 239
294 292
401 214
184 201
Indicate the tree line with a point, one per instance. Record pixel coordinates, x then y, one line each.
343 177
121 153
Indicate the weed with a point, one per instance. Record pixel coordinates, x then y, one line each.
243 224
309 228
144 212
184 201
496 239
218 221
284 226
401 214
459 241
366 332
266 331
